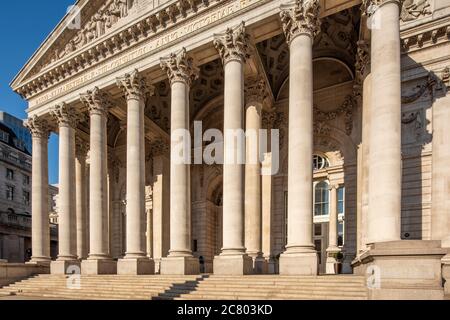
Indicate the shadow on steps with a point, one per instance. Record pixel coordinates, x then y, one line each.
179 289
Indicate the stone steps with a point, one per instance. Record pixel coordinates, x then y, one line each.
192 288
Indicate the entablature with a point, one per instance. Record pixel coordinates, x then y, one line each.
138 46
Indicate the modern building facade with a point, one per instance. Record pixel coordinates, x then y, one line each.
357 92
15 191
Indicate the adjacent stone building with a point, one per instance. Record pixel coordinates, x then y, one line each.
358 92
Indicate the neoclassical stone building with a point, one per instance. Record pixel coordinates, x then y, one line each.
358 92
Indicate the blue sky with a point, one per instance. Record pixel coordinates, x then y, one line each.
23 26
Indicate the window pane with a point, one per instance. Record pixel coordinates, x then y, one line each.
317 210
341 234
317 229
340 207
341 194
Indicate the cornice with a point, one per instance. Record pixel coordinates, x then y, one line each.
425 35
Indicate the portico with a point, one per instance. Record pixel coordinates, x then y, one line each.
326 77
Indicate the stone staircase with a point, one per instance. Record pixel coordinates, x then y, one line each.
190 288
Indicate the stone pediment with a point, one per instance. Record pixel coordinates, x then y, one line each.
87 22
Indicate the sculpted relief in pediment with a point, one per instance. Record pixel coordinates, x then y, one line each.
105 18
95 20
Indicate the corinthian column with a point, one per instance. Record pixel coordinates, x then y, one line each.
254 95
385 124
99 261
67 257
181 72
82 148
40 226
364 82
233 49
300 23
135 260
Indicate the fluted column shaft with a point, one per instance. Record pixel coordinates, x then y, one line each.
135 177
233 171
180 200
40 228
81 200
253 186
67 210
98 215
385 127
300 145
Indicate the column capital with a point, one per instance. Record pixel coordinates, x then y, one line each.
65 115
363 58
81 147
255 91
233 45
135 86
96 101
180 67
369 7
300 18
333 186
38 127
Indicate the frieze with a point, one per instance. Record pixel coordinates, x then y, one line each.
147 44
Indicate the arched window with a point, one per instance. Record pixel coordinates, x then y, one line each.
320 162
321 200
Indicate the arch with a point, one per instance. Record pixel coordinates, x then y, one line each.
328 62
211 112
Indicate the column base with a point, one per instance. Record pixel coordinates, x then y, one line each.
299 263
180 266
402 270
44 263
138 266
2 261
446 274
59 267
98 267
233 265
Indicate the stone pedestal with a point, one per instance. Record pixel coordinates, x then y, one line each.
139 266
98 266
65 267
233 265
331 260
180 266
260 265
299 263
402 269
